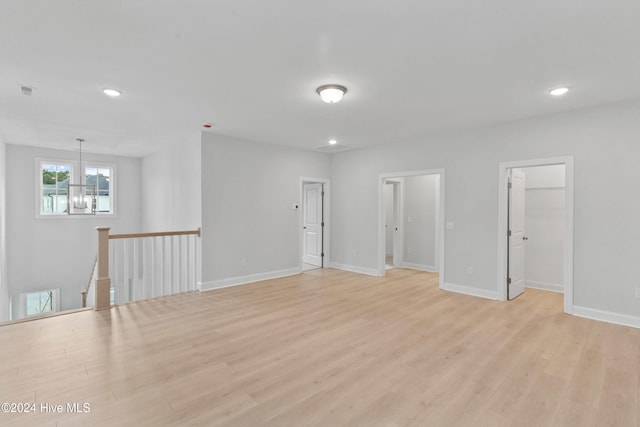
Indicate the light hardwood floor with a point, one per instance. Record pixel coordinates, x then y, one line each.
326 348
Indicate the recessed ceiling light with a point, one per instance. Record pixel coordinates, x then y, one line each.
559 91
332 142
331 93
112 92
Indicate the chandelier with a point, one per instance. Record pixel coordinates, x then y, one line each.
81 196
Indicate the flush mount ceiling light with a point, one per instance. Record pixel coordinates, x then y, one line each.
112 92
559 91
332 142
331 93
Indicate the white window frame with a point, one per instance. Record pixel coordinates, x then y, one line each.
55 303
40 161
112 184
39 186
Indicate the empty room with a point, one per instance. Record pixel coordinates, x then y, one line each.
334 214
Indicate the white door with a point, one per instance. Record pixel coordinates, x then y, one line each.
516 234
312 223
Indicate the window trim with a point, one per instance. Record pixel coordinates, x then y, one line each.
38 193
112 185
75 166
23 296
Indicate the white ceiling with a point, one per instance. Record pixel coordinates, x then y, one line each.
251 67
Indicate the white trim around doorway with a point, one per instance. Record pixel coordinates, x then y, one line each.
326 206
440 219
503 169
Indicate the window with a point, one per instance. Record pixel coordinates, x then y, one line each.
100 176
55 177
39 302
54 182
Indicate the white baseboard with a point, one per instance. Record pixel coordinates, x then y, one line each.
251 278
607 316
545 286
468 290
355 269
421 267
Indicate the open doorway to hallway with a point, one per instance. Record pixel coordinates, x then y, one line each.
393 239
411 221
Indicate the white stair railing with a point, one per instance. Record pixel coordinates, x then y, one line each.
88 293
145 265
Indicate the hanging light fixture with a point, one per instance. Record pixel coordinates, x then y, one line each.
331 93
80 202
81 198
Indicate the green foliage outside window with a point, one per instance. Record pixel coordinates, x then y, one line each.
50 177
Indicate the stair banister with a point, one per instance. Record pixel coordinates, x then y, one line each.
103 283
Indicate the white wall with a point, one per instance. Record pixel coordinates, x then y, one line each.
59 252
544 219
248 192
604 143
4 291
419 221
171 188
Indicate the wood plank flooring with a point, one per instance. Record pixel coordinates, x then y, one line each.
325 348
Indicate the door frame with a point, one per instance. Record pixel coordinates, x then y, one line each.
326 246
510 235
503 247
398 238
439 218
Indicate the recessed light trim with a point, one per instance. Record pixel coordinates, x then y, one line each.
559 91
332 142
331 93
112 92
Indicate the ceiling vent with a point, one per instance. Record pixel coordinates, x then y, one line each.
26 90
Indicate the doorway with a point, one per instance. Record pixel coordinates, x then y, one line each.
516 233
535 227
411 221
313 223
393 239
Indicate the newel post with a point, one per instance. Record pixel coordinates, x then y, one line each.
103 283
